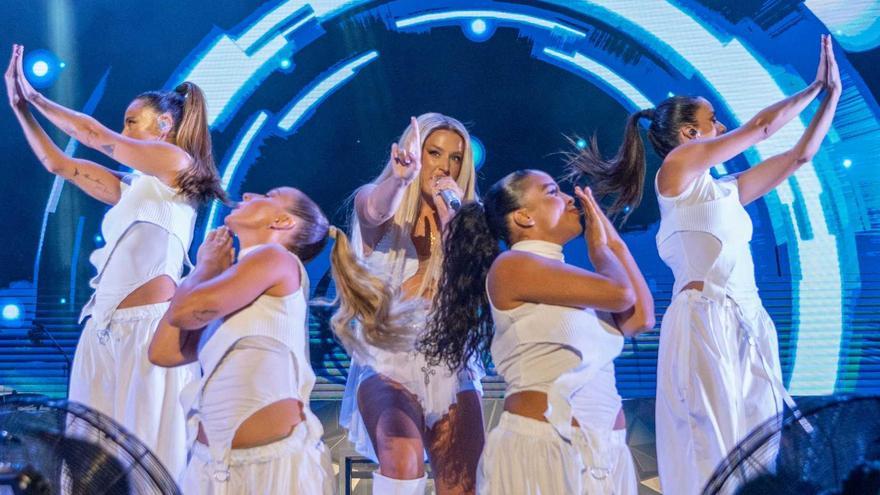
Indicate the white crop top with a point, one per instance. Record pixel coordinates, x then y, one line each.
696 225
552 349
147 234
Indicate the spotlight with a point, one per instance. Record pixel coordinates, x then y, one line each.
478 30
98 239
11 312
847 163
285 63
479 152
42 68
581 143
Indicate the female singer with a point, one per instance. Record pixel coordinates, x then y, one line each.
396 404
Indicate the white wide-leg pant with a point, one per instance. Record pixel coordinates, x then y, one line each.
112 374
718 378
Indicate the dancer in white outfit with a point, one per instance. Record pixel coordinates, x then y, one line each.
395 404
549 345
718 373
147 232
249 421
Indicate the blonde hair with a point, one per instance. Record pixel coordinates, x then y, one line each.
370 311
407 214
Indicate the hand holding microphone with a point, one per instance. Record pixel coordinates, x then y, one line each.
447 197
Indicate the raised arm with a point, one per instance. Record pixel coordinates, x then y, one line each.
158 158
640 317
519 277
216 288
691 159
765 176
95 180
376 204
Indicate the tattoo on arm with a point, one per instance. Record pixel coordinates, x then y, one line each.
205 315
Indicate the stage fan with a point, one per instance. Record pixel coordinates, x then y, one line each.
49 446
837 453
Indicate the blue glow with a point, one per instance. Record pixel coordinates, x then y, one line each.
98 239
626 93
581 143
235 159
304 105
62 65
285 63
63 300
847 163
40 68
479 152
11 312
478 26
457 15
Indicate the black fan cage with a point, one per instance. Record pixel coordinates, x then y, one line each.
66 447
783 457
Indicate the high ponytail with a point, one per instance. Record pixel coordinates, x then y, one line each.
200 182
621 177
369 310
460 325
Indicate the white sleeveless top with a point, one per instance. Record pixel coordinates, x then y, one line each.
251 359
704 236
147 234
557 350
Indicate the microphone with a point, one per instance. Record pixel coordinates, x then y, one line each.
451 199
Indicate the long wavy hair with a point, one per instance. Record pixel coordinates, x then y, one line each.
369 310
622 177
407 214
460 325
200 182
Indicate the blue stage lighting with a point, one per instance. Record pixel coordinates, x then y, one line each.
581 143
479 152
847 163
99 239
285 63
42 68
11 312
478 29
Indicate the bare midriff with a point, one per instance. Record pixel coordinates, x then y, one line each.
270 424
157 290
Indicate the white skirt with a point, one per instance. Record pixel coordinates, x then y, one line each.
608 463
525 456
298 464
435 387
716 374
112 374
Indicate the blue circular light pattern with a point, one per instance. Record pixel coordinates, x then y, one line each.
581 143
40 68
285 63
847 163
478 30
11 312
664 29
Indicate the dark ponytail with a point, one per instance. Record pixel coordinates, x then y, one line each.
460 325
200 182
621 177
